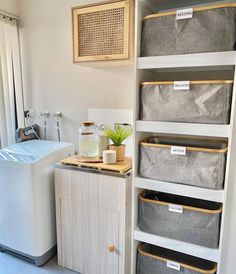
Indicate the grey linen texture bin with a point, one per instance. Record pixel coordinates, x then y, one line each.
205 102
181 218
157 260
211 29
202 164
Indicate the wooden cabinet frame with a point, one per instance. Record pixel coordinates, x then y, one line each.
109 49
93 221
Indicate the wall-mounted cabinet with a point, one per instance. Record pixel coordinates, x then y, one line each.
103 32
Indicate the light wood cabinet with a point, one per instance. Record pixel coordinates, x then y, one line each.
103 31
93 222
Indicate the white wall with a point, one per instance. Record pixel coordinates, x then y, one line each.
9 6
51 80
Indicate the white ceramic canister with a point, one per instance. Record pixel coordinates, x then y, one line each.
109 157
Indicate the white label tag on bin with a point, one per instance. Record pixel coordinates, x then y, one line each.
176 208
173 265
178 150
181 85
184 14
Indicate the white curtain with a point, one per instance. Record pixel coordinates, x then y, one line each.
11 94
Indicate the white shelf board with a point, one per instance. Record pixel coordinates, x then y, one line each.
179 189
206 253
183 128
211 59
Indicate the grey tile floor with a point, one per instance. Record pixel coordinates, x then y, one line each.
12 265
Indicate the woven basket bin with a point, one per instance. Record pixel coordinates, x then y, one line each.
164 35
120 152
198 222
203 165
156 260
205 102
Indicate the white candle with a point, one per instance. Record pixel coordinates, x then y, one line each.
109 157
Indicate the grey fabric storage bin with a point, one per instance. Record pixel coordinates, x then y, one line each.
206 102
153 260
211 29
198 224
202 166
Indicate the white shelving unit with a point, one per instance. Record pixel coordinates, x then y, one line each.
210 63
183 128
177 189
187 248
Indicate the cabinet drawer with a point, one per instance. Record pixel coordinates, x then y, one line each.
93 189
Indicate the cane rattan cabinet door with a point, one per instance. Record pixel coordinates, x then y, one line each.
102 32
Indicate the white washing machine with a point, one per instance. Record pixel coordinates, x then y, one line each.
27 203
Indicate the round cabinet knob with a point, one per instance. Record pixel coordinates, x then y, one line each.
111 248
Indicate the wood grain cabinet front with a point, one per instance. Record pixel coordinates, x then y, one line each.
93 222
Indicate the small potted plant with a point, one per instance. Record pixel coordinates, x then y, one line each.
117 135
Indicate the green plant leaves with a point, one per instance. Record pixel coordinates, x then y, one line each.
118 134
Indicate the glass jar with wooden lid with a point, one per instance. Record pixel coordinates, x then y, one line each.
88 139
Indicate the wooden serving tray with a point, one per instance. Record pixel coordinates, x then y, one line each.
87 159
119 167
